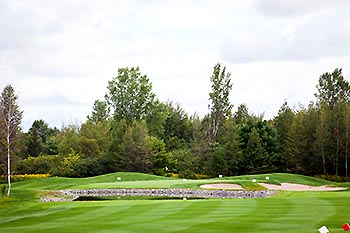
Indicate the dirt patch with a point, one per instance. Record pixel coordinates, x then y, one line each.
299 187
221 186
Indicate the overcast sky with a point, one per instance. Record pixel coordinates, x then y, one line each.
60 55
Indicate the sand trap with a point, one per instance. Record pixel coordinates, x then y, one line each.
221 186
299 187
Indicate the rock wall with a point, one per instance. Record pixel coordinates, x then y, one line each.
69 195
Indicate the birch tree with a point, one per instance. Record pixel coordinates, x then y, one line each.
10 119
333 90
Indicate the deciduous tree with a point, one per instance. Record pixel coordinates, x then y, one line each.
220 106
130 95
334 90
10 120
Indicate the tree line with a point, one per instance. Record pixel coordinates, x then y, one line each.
131 130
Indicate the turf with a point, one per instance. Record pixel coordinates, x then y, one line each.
286 212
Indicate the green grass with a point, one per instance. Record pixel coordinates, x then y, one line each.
288 212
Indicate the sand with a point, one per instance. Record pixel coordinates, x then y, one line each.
299 187
221 186
283 186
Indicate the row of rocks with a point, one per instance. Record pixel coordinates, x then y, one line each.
68 195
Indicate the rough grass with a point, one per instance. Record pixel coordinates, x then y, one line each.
288 212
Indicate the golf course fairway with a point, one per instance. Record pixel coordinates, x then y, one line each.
287 211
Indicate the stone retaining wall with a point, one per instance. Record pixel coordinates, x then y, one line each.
69 195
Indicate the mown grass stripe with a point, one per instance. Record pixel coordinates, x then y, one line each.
287 212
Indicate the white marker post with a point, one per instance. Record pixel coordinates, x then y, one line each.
254 180
323 229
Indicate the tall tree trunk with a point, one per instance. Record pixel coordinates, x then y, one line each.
346 121
336 151
8 161
322 149
346 153
323 160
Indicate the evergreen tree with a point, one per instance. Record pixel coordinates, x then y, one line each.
297 143
230 142
256 155
100 112
282 123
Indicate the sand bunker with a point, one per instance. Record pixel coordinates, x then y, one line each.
283 186
221 186
299 187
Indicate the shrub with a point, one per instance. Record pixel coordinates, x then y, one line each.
3 190
333 178
21 177
201 176
37 165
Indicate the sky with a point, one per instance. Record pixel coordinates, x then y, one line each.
60 55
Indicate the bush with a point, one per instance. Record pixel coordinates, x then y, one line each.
185 162
21 177
3 190
76 166
37 165
333 178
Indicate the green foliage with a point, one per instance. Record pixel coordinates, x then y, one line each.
219 164
43 164
100 112
136 148
3 190
256 155
69 165
39 139
69 140
282 123
258 141
186 163
220 106
160 159
130 95
177 128
333 178
229 141
91 141
332 88
156 119
242 114
10 120
114 155
133 131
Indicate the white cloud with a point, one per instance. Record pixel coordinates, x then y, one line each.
59 55
306 31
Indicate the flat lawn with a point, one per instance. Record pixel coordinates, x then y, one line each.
297 212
